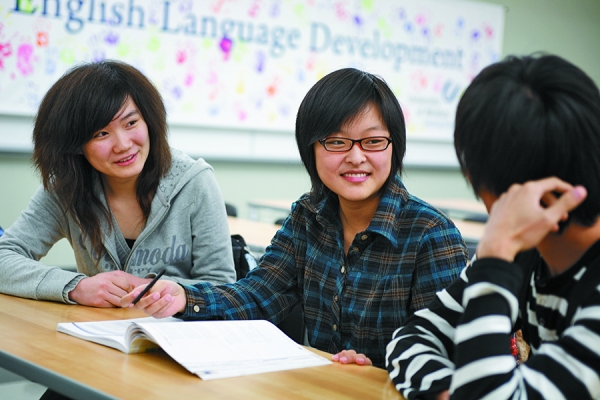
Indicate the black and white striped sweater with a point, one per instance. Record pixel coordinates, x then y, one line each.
461 342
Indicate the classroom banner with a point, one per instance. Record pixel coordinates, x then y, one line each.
247 64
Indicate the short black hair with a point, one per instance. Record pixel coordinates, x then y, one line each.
337 99
527 118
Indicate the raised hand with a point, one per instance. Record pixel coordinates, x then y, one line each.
525 214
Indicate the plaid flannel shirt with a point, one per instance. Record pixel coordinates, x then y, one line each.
355 301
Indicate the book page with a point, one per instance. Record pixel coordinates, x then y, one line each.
110 333
219 349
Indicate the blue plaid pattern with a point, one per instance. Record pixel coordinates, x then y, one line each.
355 301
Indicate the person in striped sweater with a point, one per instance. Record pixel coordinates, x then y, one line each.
527 136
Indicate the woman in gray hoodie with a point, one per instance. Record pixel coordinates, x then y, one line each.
128 204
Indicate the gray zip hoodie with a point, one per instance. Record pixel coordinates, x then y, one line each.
186 234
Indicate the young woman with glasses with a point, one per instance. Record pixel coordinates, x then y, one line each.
359 253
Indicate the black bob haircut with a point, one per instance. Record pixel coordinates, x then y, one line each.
528 118
338 98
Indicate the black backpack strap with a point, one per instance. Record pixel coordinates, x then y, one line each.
241 253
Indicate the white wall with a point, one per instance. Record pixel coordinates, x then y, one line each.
568 28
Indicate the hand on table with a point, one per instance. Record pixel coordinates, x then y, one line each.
351 357
525 214
105 289
164 299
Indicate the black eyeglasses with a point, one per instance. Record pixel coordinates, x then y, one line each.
339 144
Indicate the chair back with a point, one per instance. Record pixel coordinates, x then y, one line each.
231 210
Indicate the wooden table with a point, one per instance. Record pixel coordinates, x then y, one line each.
31 347
260 233
470 231
453 207
461 208
279 206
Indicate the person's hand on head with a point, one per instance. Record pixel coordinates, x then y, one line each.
105 289
351 357
525 214
164 299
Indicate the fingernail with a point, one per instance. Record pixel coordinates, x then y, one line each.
344 360
335 357
579 191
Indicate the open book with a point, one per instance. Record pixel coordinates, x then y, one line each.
209 349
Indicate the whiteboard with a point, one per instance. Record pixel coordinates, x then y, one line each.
242 67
